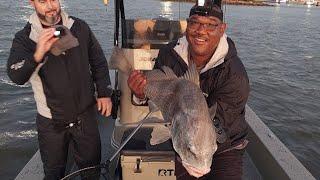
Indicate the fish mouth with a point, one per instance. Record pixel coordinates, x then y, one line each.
193 171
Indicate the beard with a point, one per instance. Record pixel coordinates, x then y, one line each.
49 21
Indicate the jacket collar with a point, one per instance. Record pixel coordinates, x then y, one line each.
36 26
217 58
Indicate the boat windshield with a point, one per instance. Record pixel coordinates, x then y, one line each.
163 22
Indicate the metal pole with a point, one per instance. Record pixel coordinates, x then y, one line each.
116 38
130 136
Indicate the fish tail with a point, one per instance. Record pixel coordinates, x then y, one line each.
119 61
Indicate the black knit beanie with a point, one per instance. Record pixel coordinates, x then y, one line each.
210 8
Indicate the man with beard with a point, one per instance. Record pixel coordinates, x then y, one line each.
223 80
66 67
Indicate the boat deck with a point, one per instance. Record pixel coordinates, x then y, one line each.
266 157
33 170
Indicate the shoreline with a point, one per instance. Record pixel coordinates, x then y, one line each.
249 2
232 2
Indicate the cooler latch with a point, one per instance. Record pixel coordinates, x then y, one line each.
138 169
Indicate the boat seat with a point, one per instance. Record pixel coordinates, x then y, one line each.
140 59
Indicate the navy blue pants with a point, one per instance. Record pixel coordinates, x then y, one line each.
54 143
225 166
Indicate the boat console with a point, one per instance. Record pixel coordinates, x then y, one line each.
141 43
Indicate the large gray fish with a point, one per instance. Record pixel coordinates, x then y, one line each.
181 103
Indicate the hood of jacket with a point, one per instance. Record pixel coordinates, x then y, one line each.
217 58
36 26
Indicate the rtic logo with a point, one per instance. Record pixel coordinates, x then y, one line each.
165 172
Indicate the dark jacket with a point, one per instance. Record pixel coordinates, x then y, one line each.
68 82
227 84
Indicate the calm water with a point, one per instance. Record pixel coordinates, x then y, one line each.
280 47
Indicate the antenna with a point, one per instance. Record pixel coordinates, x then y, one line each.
225 11
179 10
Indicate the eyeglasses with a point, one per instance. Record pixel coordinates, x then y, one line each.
193 24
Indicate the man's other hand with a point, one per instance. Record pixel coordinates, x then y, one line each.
137 82
104 106
45 42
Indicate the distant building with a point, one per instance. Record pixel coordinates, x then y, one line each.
309 2
281 1
317 2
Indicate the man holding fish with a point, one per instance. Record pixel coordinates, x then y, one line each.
224 84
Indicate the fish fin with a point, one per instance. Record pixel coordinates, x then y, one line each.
156 75
160 134
192 74
152 106
155 119
168 71
213 110
119 61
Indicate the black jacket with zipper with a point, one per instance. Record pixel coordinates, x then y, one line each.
70 80
227 84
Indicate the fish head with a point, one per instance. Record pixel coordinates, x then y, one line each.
194 140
